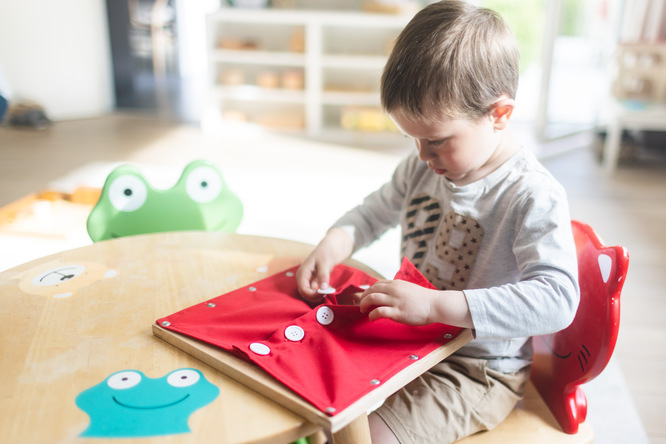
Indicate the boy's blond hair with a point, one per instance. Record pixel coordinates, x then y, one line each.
453 60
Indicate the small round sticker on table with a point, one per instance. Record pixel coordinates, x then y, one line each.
260 349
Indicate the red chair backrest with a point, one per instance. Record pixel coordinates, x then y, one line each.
566 359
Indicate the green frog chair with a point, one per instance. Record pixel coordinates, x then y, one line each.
129 205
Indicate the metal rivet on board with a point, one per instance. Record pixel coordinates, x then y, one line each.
448 336
252 288
375 382
210 304
166 323
330 409
414 358
289 274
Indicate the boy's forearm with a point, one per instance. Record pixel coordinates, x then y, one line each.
338 243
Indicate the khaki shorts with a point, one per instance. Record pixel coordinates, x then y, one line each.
456 398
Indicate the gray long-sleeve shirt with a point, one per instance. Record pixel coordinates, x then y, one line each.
505 240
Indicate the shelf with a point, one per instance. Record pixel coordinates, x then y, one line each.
338 58
255 57
383 141
255 93
342 98
317 18
354 61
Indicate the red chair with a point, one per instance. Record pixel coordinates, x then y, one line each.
571 357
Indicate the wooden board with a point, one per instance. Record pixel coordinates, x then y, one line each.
256 378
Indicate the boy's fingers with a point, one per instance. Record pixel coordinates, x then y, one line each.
307 284
313 280
322 276
382 313
371 300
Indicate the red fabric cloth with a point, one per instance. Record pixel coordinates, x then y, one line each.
332 354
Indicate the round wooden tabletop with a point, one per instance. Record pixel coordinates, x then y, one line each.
71 320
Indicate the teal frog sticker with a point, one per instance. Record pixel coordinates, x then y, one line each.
129 205
128 404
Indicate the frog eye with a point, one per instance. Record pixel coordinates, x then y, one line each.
183 378
203 184
123 380
128 193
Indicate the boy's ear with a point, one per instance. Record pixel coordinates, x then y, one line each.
501 112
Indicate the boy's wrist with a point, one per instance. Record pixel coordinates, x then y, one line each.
450 307
339 241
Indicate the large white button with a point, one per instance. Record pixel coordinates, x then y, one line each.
325 315
294 333
260 349
327 290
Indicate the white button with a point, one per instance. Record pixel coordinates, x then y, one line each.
294 333
260 349
364 287
327 290
325 315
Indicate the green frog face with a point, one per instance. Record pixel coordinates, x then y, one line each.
129 404
129 205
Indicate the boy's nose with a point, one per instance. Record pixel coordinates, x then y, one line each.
425 153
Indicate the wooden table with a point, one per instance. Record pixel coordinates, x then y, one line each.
70 320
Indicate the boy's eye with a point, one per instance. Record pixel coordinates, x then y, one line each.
436 142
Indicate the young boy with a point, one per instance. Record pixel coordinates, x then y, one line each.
480 218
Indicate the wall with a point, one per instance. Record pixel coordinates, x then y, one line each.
56 53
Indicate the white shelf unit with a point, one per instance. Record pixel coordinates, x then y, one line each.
340 56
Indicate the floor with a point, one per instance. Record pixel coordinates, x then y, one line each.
295 188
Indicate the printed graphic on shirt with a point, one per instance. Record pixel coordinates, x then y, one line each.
421 220
457 245
456 239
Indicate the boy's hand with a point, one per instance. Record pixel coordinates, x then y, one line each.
412 304
400 301
315 271
313 275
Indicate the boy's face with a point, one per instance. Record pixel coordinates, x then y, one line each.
461 150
